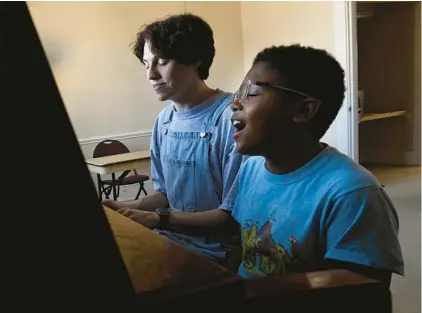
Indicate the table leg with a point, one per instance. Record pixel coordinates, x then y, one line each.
113 179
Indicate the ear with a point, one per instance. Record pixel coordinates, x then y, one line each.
306 111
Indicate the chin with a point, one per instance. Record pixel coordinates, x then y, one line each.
248 149
242 148
162 97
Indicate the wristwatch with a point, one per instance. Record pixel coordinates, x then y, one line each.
164 215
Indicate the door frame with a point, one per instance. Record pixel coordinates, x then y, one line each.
345 50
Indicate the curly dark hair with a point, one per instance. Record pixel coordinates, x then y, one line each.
185 38
313 72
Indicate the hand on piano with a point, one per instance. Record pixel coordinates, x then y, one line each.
117 205
147 219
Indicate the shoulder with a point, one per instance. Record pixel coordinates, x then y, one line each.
222 109
221 119
161 118
341 175
164 113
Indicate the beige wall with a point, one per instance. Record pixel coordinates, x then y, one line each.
275 23
104 87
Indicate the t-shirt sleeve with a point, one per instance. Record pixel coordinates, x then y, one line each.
362 228
156 167
237 212
231 161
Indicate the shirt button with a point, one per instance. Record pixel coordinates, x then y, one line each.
202 134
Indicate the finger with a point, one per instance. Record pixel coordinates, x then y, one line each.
124 211
114 205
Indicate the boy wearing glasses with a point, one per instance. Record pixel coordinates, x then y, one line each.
302 205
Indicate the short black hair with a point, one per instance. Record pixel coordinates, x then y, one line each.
185 38
313 72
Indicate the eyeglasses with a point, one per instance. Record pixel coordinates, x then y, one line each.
243 90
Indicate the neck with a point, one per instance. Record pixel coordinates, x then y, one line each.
195 95
284 161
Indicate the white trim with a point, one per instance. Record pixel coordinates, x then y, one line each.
123 136
345 46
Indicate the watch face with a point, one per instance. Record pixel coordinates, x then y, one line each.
164 211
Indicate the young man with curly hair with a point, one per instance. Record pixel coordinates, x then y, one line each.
193 156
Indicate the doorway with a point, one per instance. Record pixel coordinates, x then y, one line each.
383 94
389 84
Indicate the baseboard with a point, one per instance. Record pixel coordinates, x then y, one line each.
123 136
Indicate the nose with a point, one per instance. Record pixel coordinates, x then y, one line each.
153 74
236 105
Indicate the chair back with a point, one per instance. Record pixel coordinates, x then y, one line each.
109 147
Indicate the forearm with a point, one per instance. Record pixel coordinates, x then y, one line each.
153 201
214 222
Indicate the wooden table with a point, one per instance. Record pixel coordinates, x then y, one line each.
167 278
118 163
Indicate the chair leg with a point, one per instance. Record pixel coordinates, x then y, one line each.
102 190
107 191
141 186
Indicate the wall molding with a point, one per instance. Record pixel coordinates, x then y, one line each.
123 136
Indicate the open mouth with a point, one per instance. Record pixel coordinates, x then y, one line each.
239 127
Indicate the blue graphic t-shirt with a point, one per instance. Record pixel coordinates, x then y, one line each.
331 208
